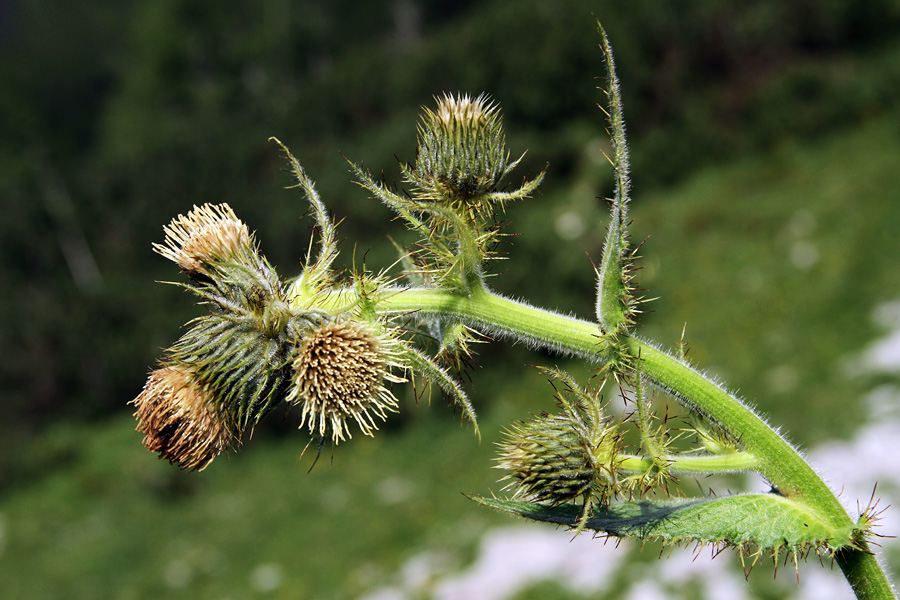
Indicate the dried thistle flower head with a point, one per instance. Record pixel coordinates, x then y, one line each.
207 234
339 375
179 420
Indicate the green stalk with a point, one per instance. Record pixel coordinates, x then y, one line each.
726 463
777 460
655 446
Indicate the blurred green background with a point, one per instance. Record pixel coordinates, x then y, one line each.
765 143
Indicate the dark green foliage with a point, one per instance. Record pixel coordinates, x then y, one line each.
118 117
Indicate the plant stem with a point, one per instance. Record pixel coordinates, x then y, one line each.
726 463
654 445
777 460
867 578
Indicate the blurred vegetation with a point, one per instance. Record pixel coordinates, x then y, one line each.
759 131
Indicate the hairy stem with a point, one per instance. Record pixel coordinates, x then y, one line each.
775 458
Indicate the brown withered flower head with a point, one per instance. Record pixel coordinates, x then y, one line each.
179 419
207 234
339 375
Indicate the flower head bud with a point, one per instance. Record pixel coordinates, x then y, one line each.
245 366
179 419
462 149
557 458
207 234
339 374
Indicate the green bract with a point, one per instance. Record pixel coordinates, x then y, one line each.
462 151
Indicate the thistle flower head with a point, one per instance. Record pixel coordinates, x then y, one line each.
464 111
207 234
339 375
558 458
179 420
549 460
462 149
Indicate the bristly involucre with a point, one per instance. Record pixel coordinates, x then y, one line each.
246 368
549 459
462 157
462 149
560 457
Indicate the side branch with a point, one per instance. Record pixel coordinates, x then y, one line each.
500 316
776 459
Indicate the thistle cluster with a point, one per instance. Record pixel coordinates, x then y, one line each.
254 350
311 342
333 349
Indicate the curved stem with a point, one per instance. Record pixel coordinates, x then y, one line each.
778 461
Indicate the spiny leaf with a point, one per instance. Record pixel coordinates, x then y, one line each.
615 296
438 375
318 273
766 521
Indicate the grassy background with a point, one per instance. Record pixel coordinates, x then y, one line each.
765 147
110 520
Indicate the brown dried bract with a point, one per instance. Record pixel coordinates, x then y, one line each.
179 420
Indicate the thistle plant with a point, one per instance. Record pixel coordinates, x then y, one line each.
335 345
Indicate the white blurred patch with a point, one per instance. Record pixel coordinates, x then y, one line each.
394 490
646 590
804 254
512 559
570 225
178 573
267 577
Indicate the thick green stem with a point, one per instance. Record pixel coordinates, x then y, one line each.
777 460
495 314
864 574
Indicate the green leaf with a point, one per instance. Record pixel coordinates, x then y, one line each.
317 275
766 521
438 375
615 295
